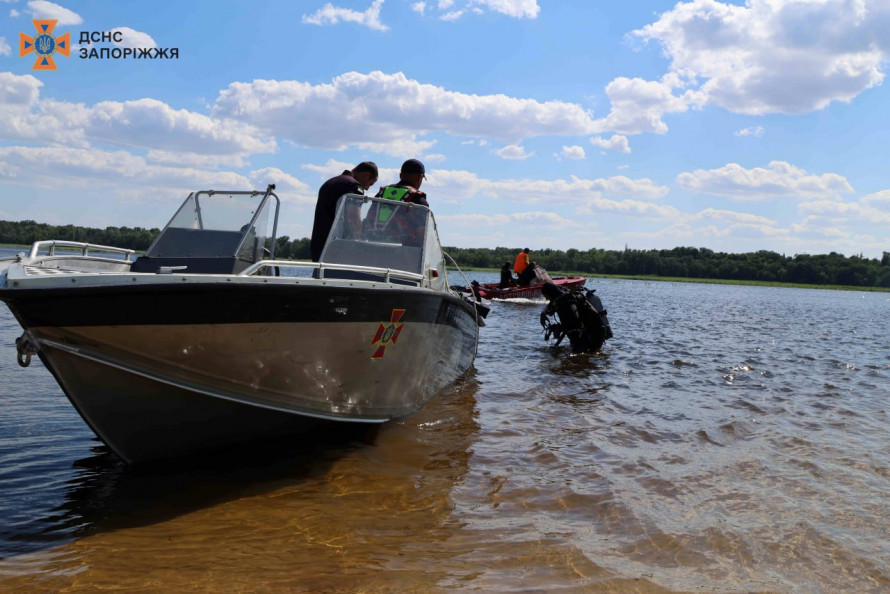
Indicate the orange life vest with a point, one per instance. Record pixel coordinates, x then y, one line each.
521 263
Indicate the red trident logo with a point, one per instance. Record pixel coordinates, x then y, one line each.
45 45
387 333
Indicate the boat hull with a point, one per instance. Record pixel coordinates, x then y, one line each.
493 291
169 369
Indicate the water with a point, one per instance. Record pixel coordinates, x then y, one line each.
727 439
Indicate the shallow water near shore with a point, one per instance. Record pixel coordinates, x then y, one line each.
728 438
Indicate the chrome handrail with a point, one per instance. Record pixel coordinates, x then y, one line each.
86 247
386 272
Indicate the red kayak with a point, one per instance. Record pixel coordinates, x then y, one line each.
533 289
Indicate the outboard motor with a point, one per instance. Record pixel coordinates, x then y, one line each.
578 315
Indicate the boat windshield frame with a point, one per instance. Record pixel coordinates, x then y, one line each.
205 215
407 240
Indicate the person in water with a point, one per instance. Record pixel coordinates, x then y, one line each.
580 318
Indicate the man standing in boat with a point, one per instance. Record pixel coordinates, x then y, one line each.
395 220
362 177
522 262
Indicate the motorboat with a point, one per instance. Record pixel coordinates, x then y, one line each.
531 290
207 339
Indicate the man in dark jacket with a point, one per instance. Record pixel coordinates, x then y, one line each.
362 177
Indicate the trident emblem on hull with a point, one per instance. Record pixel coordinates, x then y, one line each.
45 45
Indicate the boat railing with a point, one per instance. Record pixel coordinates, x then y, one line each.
387 274
85 248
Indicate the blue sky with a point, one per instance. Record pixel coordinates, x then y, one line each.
736 126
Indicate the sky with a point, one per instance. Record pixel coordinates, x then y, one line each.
733 126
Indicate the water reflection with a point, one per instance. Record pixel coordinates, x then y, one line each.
335 507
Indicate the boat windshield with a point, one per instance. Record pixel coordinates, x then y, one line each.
220 224
384 233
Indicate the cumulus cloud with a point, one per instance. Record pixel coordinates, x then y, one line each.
451 10
42 9
770 56
381 109
509 220
616 143
779 179
638 105
5 48
519 9
287 187
134 177
752 131
573 152
142 123
879 200
331 15
730 216
133 39
73 167
863 211
513 152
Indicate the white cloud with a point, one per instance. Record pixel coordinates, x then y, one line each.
133 39
773 56
379 108
143 123
13 13
616 143
286 185
712 214
331 15
42 9
452 16
133 177
513 152
863 211
778 179
509 220
638 105
752 131
520 9
5 48
72 167
878 200
451 10
573 152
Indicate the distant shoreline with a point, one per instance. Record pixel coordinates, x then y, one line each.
706 281
669 279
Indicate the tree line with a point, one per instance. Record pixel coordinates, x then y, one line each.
682 262
700 263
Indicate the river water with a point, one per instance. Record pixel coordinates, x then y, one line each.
728 438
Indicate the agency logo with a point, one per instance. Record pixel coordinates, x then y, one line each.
45 45
388 333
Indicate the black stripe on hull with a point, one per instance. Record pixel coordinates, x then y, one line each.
222 303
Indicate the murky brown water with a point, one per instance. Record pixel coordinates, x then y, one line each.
728 439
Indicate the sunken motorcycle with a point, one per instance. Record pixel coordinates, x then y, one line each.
576 314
